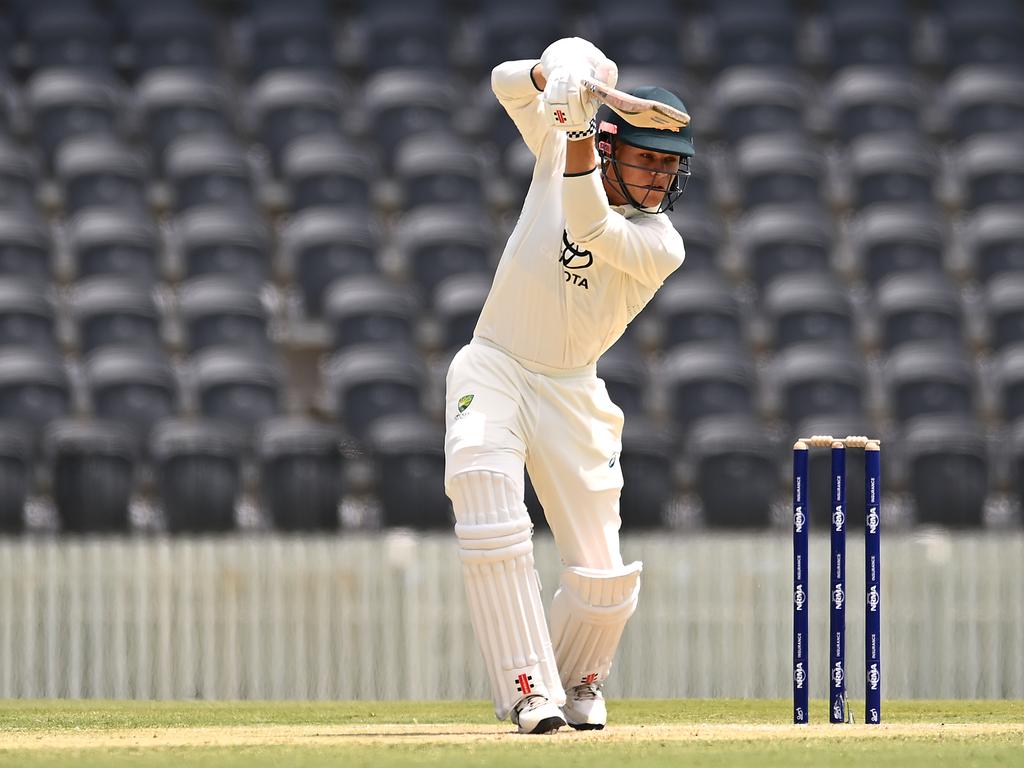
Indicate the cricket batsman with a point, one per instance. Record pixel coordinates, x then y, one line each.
589 251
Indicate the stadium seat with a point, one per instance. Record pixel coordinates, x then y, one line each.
779 240
93 465
919 307
300 474
287 35
625 375
819 379
457 306
819 476
703 380
321 245
927 379
369 309
6 46
408 458
34 387
199 474
888 169
15 477
698 307
72 36
1009 380
779 169
867 100
511 32
948 470
407 38
641 35
24 246
755 33
133 387
287 104
438 169
435 242
807 309
876 32
172 35
175 103
753 101
1017 448
238 386
983 32
115 311
218 311
647 473
115 243
216 240
1004 302
994 169
27 317
325 170
370 382
17 178
995 241
897 239
702 236
66 103
402 103
980 100
209 170
98 172
735 472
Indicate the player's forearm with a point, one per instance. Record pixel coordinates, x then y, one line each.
580 157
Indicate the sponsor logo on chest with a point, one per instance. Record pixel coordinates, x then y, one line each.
573 261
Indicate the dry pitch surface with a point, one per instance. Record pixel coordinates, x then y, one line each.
310 734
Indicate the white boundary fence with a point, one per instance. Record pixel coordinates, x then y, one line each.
383 617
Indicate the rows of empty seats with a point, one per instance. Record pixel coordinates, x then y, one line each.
240 241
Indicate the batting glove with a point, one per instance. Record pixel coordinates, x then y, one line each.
567 104
577 53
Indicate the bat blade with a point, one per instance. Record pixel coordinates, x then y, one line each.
643 113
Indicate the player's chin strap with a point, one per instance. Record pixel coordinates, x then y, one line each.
606 151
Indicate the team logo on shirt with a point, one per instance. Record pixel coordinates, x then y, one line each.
574 258
464 402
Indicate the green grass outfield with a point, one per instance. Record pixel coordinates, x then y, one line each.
642 733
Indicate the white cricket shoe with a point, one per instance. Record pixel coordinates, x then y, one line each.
584 708
535 714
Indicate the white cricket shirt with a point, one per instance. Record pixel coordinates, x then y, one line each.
575 270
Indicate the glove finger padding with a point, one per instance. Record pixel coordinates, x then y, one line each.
607 72
567 105
570 51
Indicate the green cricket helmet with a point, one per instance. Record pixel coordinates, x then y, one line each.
613 128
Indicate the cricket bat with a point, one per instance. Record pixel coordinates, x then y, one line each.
643 113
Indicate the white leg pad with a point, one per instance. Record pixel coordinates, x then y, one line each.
495 537
588 613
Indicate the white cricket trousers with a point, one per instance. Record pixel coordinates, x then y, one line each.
502 416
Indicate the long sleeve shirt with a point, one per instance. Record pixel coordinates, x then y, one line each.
575 270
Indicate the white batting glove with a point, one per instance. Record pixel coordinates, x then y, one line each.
568 105
577 53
